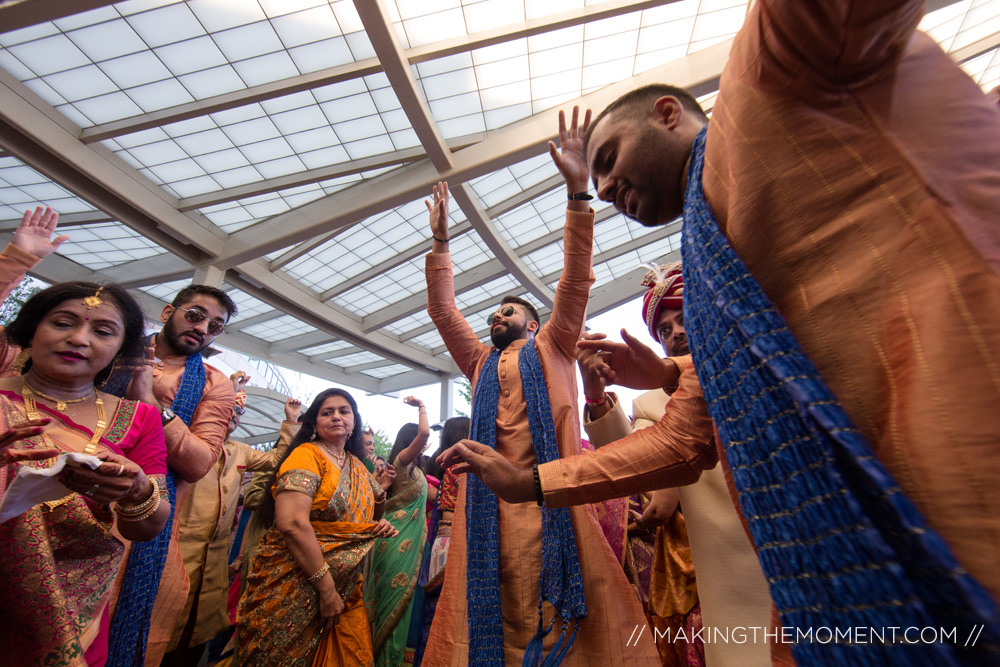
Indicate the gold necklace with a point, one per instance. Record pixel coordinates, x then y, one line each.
61 404
31 410
339 458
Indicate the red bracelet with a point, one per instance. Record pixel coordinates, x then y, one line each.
602 401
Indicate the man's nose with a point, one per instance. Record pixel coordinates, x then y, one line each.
605 191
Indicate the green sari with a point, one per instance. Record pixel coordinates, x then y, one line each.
395 566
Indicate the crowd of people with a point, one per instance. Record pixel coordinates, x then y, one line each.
816 449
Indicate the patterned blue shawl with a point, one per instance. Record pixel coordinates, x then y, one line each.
840 543
130 626
560 583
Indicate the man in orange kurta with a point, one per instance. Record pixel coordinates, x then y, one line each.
856 171
613 611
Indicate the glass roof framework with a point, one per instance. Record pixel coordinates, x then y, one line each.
265 138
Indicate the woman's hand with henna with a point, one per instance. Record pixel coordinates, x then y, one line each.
9 454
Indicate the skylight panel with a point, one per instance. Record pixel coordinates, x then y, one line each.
160 95
408 323
982 20
984 69
279 328
480 16
107 40
349 360
82 82
191 55
534 9
275 8
212 82
434 27
174 23
383 372
430 340
325 348
369 147
361 46
106 244
348 108
50 55
28 34
248 41
165 291
311 25
266 68
135 70
713 27
218 15
321 55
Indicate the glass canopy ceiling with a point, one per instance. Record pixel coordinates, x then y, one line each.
282 149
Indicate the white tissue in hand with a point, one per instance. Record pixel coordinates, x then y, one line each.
33 486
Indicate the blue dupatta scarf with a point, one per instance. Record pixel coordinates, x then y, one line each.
130 626
841 544
561 582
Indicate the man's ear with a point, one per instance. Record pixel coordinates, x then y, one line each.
669 110
166 313
532 326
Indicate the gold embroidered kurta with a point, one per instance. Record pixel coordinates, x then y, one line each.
206 520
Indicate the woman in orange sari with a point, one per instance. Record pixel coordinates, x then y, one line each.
303 603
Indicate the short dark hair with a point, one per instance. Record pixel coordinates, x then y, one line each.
189 292
637 102
133 349
521 302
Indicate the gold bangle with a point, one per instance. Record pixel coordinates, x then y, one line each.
135 510
319 573
131 518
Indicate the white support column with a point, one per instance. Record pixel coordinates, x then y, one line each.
209 275
447 399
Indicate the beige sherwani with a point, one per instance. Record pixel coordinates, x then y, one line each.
731 585
206 520
613 609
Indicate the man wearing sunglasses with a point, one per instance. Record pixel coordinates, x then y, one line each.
195 401
524 406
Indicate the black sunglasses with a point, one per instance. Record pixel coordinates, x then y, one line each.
191 316
506 311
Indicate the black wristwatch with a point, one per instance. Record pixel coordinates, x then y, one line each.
166 414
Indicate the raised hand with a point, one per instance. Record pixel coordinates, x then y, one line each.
414 401
239 380
34 234
23 431
293 407
568 156
632 364
438 210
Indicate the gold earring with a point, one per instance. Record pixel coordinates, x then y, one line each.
22 359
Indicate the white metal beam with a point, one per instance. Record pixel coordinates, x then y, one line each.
382 34
518 141
365 67
467 199
45 140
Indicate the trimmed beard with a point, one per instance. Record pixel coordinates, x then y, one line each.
176 340
511 332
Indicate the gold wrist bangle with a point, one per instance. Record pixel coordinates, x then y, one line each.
319 573
135 518
135 510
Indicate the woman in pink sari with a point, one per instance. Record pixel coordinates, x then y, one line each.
60 557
